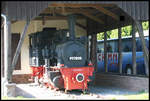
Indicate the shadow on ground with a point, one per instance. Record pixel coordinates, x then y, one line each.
21 92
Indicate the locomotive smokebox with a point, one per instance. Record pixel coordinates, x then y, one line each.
71 24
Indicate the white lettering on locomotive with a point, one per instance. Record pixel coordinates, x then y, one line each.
75 58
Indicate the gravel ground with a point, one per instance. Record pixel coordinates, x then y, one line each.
35 91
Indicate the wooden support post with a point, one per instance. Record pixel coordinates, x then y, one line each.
119 51
93 55
144 48
9 51
18 50
94 52
105 51
43 20
133 49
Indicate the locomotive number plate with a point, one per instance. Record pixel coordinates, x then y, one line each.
75 58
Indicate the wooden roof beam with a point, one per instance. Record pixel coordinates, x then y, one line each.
107 12
81 26
92 17
101 14
81 11
66 10
84 12
58 18
54 18
78 5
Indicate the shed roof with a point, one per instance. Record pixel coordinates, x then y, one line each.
129 10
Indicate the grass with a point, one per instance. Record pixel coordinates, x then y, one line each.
16 98
144 96
139 96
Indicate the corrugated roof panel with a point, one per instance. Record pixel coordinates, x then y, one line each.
16 9
24 10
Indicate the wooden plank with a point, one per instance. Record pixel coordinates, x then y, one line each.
78 5
119 51
81 26
81 11
111 10
59 18
55 18
76 10
144 48
105 52
107 12
51 18
133 49
66 10
92 17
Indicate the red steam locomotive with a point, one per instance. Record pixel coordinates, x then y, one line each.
58 59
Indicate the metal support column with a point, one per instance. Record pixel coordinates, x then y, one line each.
7 55
18 50
105 51
2 52
133 49
144 48
119 51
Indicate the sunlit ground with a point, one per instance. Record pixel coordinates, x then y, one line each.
141 96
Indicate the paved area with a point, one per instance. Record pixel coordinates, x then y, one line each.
35 91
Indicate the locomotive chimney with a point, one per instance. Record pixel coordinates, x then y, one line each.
71 25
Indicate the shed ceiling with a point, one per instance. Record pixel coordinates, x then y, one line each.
101 16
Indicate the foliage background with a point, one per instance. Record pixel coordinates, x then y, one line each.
126 31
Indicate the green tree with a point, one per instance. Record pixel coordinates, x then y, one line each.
145 25
126 31
100 36
108 34
114 33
